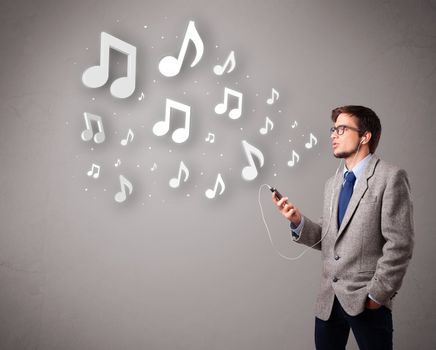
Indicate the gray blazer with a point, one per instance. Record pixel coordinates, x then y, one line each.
370 252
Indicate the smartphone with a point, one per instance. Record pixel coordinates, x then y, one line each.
276 192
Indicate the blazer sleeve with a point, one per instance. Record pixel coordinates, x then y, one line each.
397 230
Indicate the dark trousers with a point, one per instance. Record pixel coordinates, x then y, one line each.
371 328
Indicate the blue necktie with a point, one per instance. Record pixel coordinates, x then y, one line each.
346 193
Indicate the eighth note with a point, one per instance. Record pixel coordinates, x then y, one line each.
130 136
295 156
250 172
221 108
91 172
162 127
118 162
88 133
219 70
210 138
175 182
311 142
274 97
212 193
264 130
121 196
140 98
294 124
170 66
97 76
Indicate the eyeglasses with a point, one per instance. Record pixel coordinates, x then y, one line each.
340 129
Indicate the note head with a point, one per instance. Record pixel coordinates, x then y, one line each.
235 113
95 77
120 197
161 128
249 173
169 66
123 87
99 137
218 70
220 108
87 135
180 135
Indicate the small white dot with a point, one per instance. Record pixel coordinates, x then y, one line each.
143 203
86 49
254 110
195 81
149 196
145 27
221 155
138 166
149 147
154 80
86 190
207 92
118 21
170 151
104 189
67 123
216 46
275 174
280 111
93 98
201 173
257 94
248 77
188 195
162 37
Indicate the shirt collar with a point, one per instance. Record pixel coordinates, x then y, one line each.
359 167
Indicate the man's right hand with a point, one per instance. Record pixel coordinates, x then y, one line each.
287 209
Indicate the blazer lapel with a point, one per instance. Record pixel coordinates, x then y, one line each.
359 191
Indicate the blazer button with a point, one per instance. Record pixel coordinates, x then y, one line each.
335 279
337 257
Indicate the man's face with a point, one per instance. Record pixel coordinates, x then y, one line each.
345 145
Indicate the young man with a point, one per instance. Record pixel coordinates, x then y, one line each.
365 236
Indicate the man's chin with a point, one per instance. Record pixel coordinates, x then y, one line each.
341 155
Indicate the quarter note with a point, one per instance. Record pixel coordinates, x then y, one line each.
219 70
175 182
162 127
264 130
250 172
219 182
170 66
130 136
312 141
274 97
97 76
295 157
88 133
91 172
221 108
121 196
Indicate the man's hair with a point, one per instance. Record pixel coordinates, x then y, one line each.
367 120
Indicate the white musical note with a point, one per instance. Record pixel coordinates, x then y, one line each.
210 138
264 130
88 133
154 167
175 182
141 97
162 127
311 142
121 196
130 136
219 70
294 124
221 108
250 172
97 76
170 66
91 172
296 157
274 97
212 193
118 162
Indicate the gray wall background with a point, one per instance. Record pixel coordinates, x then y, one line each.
169 268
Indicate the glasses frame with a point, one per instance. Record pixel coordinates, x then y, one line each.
340 129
